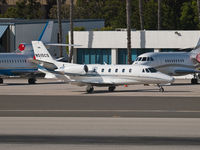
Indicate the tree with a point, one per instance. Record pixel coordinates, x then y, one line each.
189 15
26 9
159 20
198 7
71 30
141 15
59 26
128 17
150 14
50 4
64 12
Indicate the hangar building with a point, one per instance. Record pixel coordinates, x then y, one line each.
111 46
16 31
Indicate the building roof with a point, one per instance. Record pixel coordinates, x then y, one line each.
8 21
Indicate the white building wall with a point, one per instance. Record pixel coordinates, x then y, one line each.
139 39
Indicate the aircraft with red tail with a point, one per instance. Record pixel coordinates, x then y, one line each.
18 64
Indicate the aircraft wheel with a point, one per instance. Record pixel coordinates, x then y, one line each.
194 81
89 89
1 81
31 81
161 89
111 88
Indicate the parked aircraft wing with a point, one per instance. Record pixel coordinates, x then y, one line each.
60 44
187 71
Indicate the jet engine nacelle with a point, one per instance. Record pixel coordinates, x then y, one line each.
79 69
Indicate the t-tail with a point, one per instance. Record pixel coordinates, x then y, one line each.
41 53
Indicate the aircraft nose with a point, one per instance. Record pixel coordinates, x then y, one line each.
170 79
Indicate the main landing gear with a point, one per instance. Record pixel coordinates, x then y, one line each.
161 89
1 81
31 81
194 80
111 88
89 89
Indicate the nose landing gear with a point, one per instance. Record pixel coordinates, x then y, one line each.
89 89
161 89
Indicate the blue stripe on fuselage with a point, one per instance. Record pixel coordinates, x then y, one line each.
12 72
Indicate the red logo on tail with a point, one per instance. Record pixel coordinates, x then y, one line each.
198 57
21 47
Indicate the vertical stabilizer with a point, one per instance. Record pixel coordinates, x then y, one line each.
45 36
41 53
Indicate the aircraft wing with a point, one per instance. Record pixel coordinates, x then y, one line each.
26 73
188 71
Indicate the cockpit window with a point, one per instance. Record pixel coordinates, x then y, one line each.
153 70
144 59
147 70
139 59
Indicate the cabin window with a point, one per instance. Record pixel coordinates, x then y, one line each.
143 70
130 70
109 70
153 70
102 70
116 70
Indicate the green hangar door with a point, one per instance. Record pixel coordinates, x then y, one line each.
93 56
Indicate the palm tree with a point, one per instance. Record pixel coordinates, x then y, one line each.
71 30
159 20
141 15
198 7
128 20
59 25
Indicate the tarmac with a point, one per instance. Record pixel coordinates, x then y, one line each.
181 88
53 115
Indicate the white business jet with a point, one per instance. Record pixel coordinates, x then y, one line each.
18 64
99 75
173 63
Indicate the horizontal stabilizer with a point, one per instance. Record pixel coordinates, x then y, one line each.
47 65
60 44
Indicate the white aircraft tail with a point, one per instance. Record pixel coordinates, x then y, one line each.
41 53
